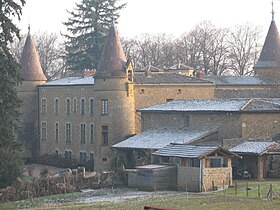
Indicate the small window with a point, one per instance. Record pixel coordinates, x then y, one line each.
56 106
68 106
68 154
83 106
56 152
44 131
104 159
91 134
194 162
142 91
68 132
44 106
105 135
75 105
56 131
83 133
91 105
179 91
91 156
104 106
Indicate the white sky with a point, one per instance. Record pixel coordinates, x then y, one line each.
157 16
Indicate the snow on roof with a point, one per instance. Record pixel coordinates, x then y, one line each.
217 105
236 80
87 80
183 150
160 137
253 147
199 105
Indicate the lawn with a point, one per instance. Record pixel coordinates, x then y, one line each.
217 200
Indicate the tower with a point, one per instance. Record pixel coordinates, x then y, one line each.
268 64
33 76
114 101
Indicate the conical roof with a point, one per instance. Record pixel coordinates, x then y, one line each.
30 65
113 60
270 55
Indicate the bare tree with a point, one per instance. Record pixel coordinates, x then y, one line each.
50 50
244 48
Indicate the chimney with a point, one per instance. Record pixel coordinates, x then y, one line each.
148 73
200 75
89 72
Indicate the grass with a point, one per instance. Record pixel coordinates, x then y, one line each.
185 201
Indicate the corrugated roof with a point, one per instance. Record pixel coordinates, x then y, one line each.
160 137
216 105
236 80
113 60
30 64
252 147
88 80
167 78
270 55
183 150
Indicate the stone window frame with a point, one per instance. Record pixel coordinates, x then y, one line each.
83 133
68 105
43 131
82 157
105 135
68 153
44 105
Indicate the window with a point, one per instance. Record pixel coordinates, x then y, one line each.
68 132
165 159
68 106
44 131
218 162
194 162
56 131
44 106
83 133
104 106
75 105
91 157
105 135
91 134
91 105
56 106
68 154
83 157
56 152
83 106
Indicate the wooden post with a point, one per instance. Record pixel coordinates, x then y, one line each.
235 188
259 193
213 186
247 189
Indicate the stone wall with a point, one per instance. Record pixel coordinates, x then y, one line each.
219 176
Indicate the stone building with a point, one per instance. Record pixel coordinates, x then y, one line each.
82 117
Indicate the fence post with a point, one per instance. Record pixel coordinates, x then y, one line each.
213 186
259 193
235 188
247 189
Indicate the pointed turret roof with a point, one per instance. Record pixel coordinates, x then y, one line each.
113 60
270 55
30 65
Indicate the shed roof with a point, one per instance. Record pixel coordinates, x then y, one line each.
188 151
255 147
71 81
216 105
167 78
160 137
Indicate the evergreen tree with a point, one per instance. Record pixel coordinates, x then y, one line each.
10 159
87 28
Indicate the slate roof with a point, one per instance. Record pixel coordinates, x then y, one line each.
216 105
68 81
184 150
167 78
254 147
236 80
270 55
113 60
31 69
160 137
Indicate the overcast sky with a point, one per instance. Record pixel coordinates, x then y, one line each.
157 16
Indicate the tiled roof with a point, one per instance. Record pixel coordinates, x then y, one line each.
270 55
30 65
236 80
167 78
255 147
113 60
216 105
88 80
184 150
160 137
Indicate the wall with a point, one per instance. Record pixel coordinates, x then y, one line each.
188 179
